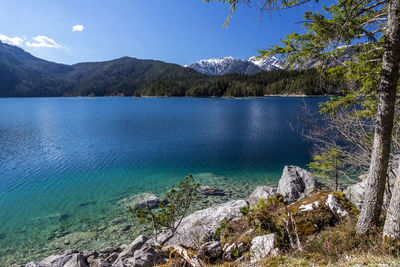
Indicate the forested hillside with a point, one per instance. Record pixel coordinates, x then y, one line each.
275 82
22 74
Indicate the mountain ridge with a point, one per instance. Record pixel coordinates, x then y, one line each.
23 75
228 65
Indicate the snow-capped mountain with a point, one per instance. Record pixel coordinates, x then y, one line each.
269 63
226 65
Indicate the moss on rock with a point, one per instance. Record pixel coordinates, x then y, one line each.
312 214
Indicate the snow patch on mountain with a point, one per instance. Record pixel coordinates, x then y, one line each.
268 63
226 65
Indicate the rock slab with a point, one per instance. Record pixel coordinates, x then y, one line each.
68 259
263 246
201 224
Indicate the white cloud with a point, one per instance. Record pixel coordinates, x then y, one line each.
77 28
43 41
17 41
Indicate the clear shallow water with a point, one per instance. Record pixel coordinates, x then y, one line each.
66 163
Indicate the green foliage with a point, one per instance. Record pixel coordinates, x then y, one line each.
171 211
327 165
223 224
235 252
266 217
328 35
244 210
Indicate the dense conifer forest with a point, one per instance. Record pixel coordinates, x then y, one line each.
277 82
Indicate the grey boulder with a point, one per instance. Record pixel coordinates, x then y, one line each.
129 251
297 183
355 192
146 256
99 263
68 259
261 192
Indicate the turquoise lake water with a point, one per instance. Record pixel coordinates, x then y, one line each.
70 165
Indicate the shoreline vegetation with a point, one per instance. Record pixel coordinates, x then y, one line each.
222 97
300 222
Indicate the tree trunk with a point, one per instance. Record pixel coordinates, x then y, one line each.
392 223
377 175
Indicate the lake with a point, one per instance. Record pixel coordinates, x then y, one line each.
70 166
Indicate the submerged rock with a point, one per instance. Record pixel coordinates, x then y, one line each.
151 199
140 201
73 239
261 192
210 190
263 246
203 223
296 183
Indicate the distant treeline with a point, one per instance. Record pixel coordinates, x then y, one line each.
276 82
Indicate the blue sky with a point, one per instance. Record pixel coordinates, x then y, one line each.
176 31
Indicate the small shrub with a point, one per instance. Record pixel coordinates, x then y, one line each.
172 210
235 252
244 210
223 224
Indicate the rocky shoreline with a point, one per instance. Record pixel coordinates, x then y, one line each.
196 239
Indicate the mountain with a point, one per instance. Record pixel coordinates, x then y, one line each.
227 65
253 65
268 64
22 74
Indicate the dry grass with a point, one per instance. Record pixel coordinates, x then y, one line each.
326 240
337 246
364 259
